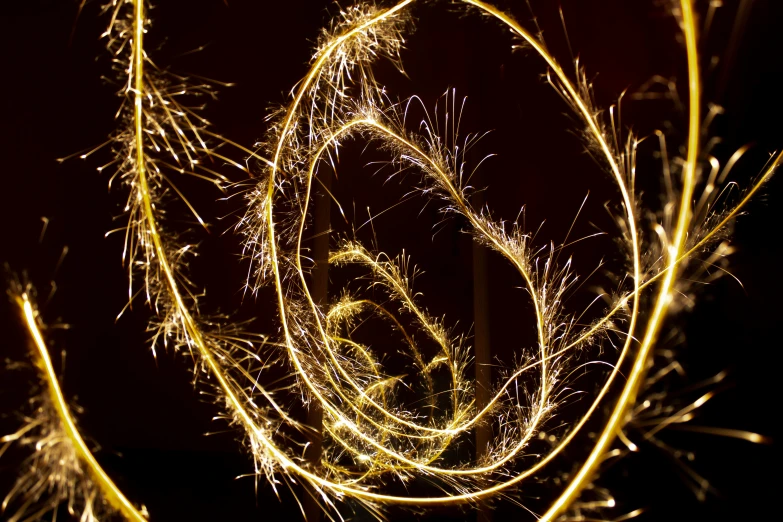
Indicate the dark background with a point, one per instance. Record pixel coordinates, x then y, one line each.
145 413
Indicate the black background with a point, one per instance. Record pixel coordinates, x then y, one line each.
145 413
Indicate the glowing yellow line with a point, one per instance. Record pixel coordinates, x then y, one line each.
292 111
590 120
675 255
523 270
457 197
591 123
110 491
628 395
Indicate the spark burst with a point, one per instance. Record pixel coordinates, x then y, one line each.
372 437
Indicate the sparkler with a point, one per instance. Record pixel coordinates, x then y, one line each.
372 436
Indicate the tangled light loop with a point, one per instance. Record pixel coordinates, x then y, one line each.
372 436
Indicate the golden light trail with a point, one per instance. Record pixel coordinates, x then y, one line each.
332 132
460 420
372 436
75 476
675 248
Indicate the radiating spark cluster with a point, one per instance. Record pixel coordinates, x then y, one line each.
371 436
61 468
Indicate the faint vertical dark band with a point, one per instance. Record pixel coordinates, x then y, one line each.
319 290
481 344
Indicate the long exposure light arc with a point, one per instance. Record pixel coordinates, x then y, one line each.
339 99
669 274
71 436
571 91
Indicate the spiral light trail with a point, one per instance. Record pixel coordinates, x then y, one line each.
371 436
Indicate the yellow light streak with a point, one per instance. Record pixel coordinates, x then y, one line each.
640 364
339 99
108 489
358 396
